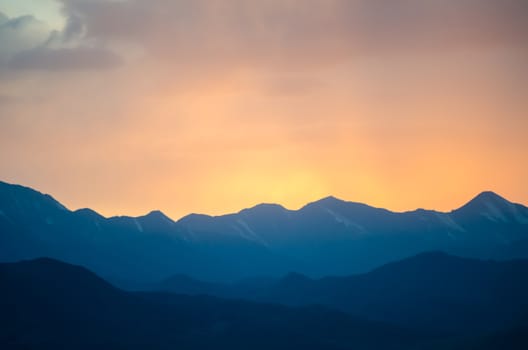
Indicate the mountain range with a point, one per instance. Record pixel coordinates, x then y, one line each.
431 291
331 275
47 304
326 237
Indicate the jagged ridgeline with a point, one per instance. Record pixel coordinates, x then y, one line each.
326 237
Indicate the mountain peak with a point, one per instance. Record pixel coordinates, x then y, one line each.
488 196
26 198
495 208
330 199
326 201
157 215
89 213
265 208
487 200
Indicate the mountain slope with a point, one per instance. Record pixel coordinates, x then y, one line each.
124 249
429 291
326 237
332 236
46 304
432 291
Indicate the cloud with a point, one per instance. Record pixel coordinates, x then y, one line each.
294 32
224 34
64 59
20 33
29 44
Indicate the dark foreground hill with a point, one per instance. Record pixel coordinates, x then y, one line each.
431 291
46 304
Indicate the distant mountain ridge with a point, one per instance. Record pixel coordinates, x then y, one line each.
46 304
326 237
431 291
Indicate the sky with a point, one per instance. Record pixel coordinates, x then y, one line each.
212 106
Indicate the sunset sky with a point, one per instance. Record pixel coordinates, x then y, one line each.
212 106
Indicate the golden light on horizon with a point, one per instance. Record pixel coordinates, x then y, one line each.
216 111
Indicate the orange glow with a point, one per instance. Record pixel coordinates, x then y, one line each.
190 128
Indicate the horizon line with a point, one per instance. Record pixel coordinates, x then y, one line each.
329 197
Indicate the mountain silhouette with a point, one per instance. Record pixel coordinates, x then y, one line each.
432 291
326 237
46 304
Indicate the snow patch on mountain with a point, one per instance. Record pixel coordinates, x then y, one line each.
448 221
247 232
495 213
138 225
343 220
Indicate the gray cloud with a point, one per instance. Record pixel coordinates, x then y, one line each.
29 44
300 31
21 33
293 33
64 59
